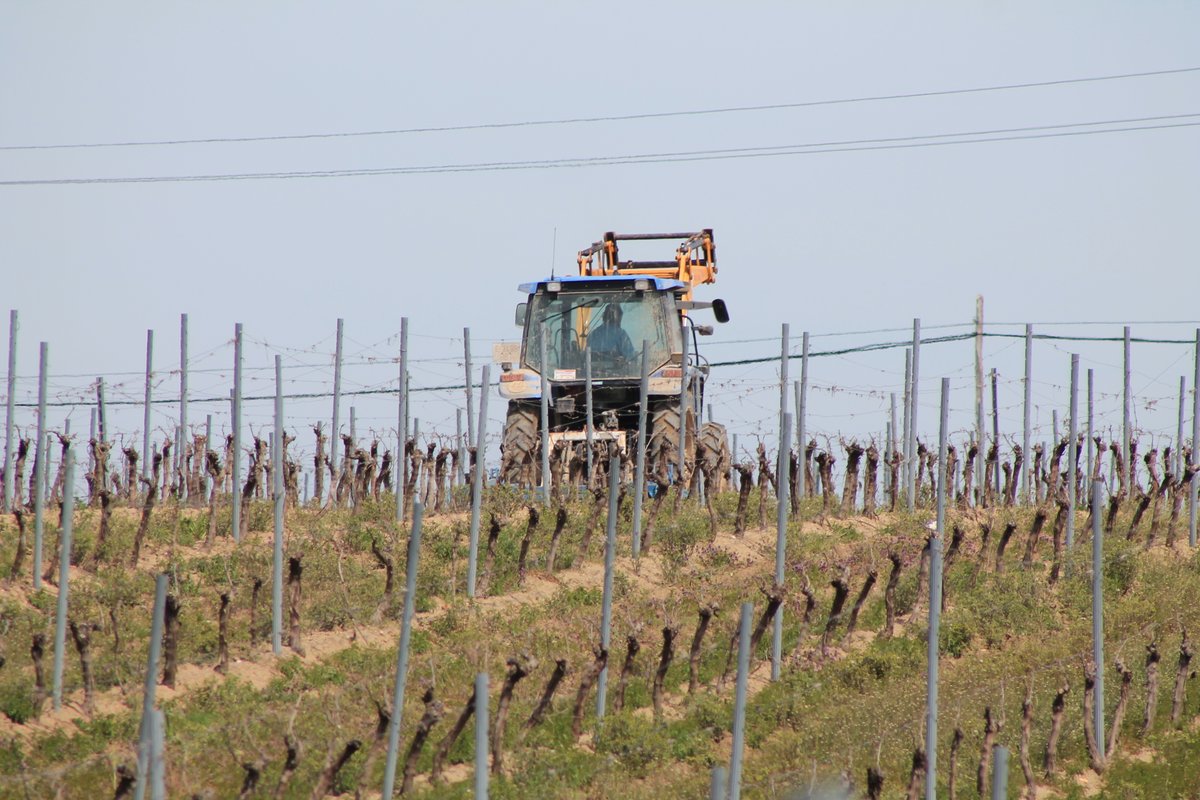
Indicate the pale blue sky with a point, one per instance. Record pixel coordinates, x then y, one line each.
1075 228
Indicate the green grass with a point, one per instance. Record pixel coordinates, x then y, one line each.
1000 633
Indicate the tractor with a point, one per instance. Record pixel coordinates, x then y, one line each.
590 328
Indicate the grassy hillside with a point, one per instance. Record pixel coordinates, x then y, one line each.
845 702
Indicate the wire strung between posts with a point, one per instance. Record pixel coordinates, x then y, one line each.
956 337
868 348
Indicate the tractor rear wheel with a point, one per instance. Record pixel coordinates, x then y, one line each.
714 446
518 462
662 447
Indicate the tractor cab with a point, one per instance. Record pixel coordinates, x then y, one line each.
606 316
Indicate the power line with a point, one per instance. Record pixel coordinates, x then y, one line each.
844 146
607 118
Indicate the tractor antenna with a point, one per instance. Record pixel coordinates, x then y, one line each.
553 251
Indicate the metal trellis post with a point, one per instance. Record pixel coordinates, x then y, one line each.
1000 772
458 445
935 603
183 405
683 407
1027 421
996 429
639 477
913 401
891 444
1072 451
410 593
1098 608
589 423
784 346
147 458
545 425
467 373
610 548
905 453
1177 462
43 448
416 440
477 482
739 703
9 422
102 408
49 470
1126 405
802 414
64 574
158 767
980 431
278 496
719 779
481 718
781 521
1195 484
236 515
1091 422
146 731
337 399
400 468
208 444
799 435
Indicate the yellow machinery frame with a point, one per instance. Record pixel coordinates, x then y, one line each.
695 259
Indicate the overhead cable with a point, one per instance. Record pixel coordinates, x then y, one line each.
607 118
814 148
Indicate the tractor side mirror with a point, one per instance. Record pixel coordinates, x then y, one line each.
522 313
720 311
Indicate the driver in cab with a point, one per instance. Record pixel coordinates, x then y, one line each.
610 338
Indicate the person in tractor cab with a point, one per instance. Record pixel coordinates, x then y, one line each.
610 338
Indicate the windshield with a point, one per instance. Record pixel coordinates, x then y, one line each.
612 324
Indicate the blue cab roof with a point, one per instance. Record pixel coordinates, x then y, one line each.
660 284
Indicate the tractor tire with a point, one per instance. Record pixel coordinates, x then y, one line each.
520 446
662 446
715 455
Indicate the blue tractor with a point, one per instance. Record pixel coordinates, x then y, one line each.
598 320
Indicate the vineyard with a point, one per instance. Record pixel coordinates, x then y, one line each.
203 623
381 418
